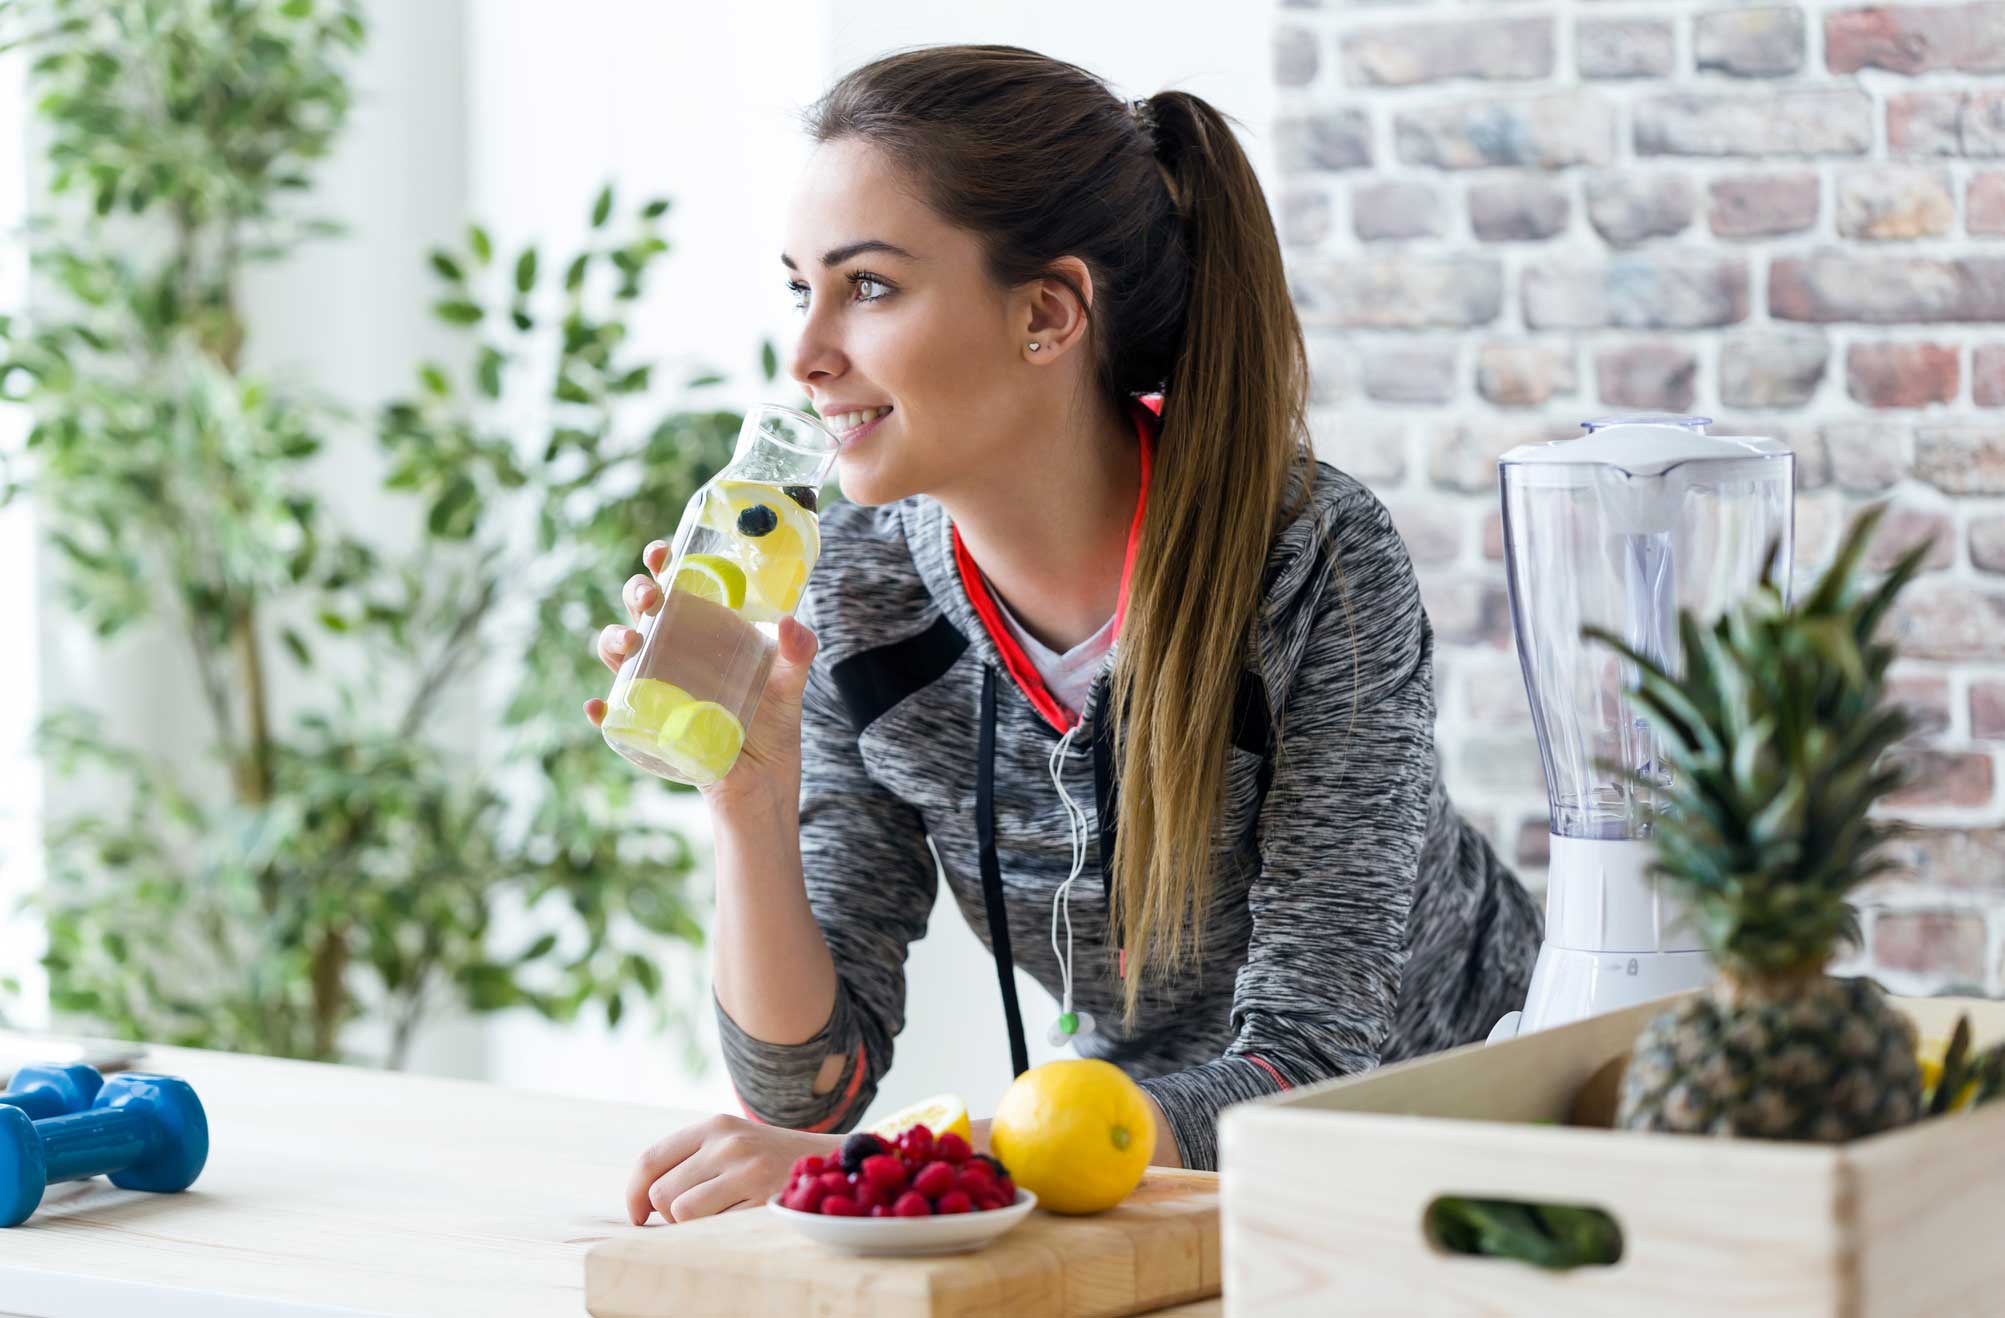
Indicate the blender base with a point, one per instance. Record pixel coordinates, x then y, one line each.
1569 984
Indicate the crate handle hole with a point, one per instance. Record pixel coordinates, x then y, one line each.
1554 1236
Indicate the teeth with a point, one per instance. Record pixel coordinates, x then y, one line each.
844 422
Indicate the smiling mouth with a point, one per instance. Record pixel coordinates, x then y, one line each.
857 430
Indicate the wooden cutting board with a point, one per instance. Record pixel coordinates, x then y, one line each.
1159 1247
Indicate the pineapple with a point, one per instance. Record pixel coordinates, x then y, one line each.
1774 737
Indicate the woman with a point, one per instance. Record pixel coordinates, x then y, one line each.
1258 876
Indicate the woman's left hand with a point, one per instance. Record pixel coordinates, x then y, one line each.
717 1165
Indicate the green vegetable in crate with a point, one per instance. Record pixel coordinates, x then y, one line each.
1774 737
1556 1236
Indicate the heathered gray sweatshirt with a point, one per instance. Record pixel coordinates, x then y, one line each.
1356 918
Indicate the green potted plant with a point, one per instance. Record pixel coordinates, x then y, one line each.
357 862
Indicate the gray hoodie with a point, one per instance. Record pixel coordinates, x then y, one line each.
1355 917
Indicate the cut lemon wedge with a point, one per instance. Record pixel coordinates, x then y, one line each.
704 737
711 577
939 1114
779 559
643 709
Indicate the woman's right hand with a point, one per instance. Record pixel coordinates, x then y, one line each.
771 759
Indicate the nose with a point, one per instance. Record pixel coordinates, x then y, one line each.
816 355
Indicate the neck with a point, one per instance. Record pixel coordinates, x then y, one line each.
1050 531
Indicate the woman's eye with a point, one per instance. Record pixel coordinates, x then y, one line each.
857 281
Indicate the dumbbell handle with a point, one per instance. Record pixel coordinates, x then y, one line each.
86 1144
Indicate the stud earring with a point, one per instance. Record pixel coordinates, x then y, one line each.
1035 346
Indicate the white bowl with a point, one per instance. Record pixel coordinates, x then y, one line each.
949 1233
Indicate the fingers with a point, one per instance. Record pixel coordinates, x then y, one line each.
719 1194
641 596
595 710
789 677
615 643
655 556
798 643
661 1158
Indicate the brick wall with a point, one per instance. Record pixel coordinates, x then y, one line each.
1504 217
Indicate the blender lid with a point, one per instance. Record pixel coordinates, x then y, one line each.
1646 445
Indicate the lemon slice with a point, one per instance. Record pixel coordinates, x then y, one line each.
780 568
712 577
703 736
939 1114
640 713
722 513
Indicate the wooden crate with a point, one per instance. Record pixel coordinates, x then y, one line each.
1325 1191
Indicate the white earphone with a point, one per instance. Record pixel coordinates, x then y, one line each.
1071 1026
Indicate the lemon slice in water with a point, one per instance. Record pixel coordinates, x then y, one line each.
711 577
704 737
643 710
780 544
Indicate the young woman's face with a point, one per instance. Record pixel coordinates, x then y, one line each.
921 329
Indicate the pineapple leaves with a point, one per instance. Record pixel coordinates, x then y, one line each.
1777 739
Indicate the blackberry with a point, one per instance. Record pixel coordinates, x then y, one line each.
757 520
994 1165
859 1146
804 495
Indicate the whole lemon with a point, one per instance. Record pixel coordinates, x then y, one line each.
1078 1134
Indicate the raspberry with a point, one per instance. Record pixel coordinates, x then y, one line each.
916 1146
993 1164
839 1205
880 1210
869 1194
974 1174
912 1204
809 1165
1008 1188
833 1182
805 1197
859 1146
934 1180
955 1201
884 1170
951 1148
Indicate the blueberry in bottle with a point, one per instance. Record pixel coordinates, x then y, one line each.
757 520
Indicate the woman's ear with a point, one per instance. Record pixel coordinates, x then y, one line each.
1052 315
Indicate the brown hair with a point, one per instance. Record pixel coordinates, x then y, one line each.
1040 160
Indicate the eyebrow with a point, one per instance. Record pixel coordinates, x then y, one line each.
835 256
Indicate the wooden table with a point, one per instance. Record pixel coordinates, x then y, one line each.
332 1192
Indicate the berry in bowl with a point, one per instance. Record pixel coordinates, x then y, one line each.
913 1195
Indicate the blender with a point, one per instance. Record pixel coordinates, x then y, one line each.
1620 528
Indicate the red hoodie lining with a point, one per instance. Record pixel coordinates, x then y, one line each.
1018 664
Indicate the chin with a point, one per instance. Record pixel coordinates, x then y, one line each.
866 484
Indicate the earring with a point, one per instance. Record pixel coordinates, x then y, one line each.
1035 346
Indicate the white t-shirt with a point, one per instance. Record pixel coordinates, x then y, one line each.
1068 676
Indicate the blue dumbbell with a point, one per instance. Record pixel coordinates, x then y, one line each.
146 1132
52 1091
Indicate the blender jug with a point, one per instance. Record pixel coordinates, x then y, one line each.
1619 529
